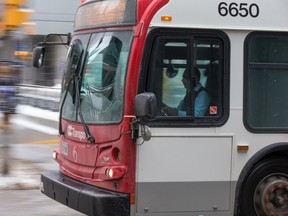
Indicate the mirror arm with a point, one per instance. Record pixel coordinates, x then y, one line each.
45 42
135 128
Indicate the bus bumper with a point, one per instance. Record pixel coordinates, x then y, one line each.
84 198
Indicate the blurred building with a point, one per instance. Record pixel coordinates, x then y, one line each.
49 16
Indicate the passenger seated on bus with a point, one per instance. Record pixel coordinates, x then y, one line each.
202 98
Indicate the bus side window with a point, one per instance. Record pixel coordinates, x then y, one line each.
266 78
173 64
208 58
213 85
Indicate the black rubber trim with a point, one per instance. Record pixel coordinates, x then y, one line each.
84 198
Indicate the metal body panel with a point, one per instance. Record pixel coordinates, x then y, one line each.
179 158
223 15
184 173
157 197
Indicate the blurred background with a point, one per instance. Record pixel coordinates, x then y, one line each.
29 102
25 23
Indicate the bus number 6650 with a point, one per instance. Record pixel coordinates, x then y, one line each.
242 9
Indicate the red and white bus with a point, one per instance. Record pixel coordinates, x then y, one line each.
121 153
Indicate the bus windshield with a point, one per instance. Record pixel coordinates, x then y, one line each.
99 74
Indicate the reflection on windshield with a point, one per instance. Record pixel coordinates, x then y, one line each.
73 59
102 78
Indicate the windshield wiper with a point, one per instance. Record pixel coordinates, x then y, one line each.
76 87
90 138
62 105
72 77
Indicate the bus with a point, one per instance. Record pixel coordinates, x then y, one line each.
121 153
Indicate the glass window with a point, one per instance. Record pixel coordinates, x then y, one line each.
186 73
266 78
100 67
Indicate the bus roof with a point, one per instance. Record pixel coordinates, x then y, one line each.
240 15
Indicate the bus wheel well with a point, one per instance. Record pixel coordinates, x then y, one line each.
267 162
274 155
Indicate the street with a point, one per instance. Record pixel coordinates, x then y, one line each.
31 203
27 146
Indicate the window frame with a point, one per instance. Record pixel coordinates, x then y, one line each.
247 42
192 34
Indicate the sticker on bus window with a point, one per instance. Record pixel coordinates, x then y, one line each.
213 110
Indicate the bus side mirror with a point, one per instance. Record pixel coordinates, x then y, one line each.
38 56
145 106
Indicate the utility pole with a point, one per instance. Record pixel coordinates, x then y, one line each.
13 15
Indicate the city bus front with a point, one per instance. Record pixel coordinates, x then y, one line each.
96 155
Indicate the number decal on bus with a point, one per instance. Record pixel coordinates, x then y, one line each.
234 9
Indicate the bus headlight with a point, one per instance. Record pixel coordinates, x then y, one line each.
115 172
54 155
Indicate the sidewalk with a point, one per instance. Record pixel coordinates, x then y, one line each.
22 176
26 163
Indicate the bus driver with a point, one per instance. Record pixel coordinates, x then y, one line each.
202 98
